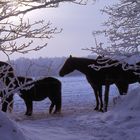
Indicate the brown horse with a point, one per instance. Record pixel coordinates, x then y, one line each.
39 90
98 78
7 79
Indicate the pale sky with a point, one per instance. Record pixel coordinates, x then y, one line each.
77 22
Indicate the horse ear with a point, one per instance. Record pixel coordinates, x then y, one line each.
70 56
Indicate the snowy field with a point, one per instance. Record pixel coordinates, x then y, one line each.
78 120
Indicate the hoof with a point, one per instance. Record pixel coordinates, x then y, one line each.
50 111
101 110
57 112
105 110
28 114
96 108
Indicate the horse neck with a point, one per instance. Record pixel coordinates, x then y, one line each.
82 64
22 81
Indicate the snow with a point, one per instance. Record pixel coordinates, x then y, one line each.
78 120
9 130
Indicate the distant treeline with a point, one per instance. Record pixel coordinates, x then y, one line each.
40 67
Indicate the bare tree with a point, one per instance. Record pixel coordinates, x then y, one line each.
122 30
18 36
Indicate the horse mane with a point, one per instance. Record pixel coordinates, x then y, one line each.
87 61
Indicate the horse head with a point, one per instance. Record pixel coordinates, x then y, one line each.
68 67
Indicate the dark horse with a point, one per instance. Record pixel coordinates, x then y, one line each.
98 78
7 79
39 90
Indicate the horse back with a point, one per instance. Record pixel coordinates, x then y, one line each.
42 88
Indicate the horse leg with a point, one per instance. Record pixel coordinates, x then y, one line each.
57 107
4 106
10 106
55 102
29 107
52 104
100 97
106 97
6 101
58 102
56 99
95 90
51 108
97 100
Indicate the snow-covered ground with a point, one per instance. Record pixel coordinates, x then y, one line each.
78 120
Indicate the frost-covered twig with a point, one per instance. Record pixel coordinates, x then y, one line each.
121 30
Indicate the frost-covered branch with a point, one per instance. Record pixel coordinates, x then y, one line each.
105 63
17 33
122 29
16 7
11 84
